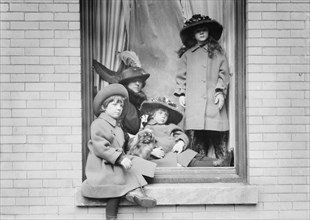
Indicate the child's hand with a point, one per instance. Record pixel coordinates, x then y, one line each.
144 118
219 99
126 163
182 101
158 152
178 147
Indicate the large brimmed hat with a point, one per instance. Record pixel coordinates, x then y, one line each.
133 73
175 115
214 27
106 92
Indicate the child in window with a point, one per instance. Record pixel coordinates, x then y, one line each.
110 173
202 83
170 142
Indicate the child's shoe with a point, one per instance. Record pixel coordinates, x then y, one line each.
139 197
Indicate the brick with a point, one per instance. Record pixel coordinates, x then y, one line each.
41 104
54 43
53 8
57 183
39 87
21 148
13 122
261 7
276 68
261 25
30 201
300 171
42 174
67 34
292 197
290 180
12 16
11 51
69 121
68 69
276 16
291 42
293 145
263 163
74 25
23 7
300 188
301 205
277 137
24 78
27 130
54 26
262 59
277 205
68 156
24 25
67 87
14 139
276 103
293 162
276 34
290 111
74 8
39 69
24 60
43 209
67 16
293 7
41 139
27 165
54 95
42 121
12 175
39 51
12 34
57 148
39 34
25 113
67 52
7 201
54 60
39 16
57 130
12 69
15 210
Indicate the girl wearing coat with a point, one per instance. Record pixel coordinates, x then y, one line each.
110 173
170 140
201 84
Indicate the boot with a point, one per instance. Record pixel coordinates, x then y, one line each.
225 161
138 196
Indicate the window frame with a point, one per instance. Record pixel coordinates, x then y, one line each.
238 173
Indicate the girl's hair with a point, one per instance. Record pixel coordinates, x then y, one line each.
212 44
117 98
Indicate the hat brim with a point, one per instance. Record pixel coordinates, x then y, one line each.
175 116
143 78
214 27
106 92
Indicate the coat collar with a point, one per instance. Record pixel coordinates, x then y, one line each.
197 46
108 119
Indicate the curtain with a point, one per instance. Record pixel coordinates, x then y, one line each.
110 34
151 29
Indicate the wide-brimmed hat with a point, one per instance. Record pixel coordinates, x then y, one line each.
106 92
133 73
175 115
215 28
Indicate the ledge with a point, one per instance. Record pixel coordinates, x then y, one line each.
189 194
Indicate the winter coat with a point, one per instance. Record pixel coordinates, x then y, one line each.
166 137
131 120
198 78
105 177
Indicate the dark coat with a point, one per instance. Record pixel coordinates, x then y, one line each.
105 177
167 136
198 78
131 120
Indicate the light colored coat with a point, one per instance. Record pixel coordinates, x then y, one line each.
197 78
167 136
106 178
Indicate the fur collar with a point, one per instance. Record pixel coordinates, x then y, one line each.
136 98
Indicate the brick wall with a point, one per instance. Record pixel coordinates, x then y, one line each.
41 114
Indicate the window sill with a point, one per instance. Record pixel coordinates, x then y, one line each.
189 194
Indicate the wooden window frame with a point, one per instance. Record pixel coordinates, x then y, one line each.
238 173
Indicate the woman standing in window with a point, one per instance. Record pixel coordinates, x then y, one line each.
202 83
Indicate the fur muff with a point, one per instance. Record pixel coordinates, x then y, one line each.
142 144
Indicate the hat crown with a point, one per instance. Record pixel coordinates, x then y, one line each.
195 19
164 100
132 72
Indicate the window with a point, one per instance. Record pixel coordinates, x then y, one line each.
233 42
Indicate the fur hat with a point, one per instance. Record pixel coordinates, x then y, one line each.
214 27
175 115
106 92
133 73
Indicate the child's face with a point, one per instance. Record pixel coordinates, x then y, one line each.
114 109
135 86
161 116
201 34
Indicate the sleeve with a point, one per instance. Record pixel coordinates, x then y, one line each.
181 77
101 139
223 76
179 135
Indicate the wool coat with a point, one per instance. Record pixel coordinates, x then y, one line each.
167 136
106 178
198 78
